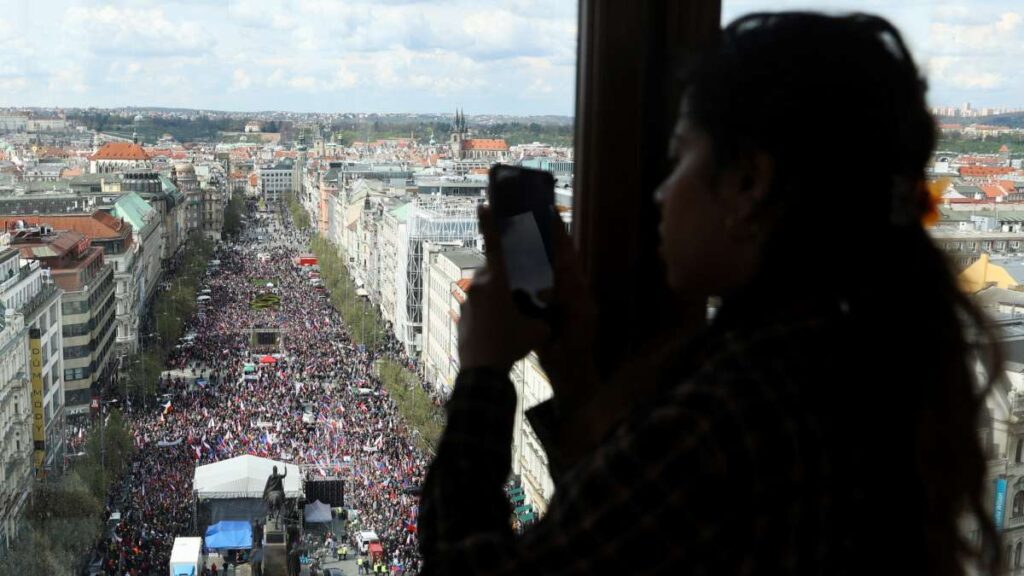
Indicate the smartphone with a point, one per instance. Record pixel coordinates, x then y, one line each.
523 203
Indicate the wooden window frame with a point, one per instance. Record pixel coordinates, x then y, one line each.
627 94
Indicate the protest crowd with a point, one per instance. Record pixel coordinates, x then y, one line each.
244 399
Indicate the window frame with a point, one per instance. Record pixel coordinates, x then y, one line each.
627 95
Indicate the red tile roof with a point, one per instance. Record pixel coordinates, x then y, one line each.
167 152
993 190
493 144
52 152
120 151
96 225
984 171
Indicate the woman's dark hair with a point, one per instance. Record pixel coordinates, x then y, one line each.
838 104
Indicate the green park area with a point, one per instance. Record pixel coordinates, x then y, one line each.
265 300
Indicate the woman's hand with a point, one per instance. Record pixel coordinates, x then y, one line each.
567 356
493 333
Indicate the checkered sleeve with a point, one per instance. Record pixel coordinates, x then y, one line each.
651 486
462 495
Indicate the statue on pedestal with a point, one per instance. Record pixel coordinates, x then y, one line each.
273 493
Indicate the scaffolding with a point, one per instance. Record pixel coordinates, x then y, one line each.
434 219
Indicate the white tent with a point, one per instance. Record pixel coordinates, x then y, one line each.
243 477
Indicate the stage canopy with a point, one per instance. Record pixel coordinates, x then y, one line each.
243 477
229 535
318 512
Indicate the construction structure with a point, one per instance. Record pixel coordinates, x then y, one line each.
439 221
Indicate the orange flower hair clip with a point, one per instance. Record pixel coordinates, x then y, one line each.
931 198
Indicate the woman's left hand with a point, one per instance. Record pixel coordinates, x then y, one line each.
493 333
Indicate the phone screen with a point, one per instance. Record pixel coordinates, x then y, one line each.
522 201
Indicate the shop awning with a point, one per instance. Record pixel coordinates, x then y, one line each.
249 368
522 509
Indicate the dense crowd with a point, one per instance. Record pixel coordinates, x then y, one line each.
355 432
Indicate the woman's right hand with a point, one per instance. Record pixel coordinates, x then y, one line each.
568 355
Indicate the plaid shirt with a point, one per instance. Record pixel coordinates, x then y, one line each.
725 471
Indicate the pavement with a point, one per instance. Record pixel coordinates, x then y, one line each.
348 567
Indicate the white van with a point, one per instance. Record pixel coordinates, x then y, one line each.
364 538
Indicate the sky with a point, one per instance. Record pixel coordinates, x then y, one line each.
484 56
968 49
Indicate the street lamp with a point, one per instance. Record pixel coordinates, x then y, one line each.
103 425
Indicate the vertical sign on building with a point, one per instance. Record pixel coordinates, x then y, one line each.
1000 503
38 424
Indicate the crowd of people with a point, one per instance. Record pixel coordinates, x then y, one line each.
247 402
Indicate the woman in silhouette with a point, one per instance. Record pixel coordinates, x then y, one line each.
825 422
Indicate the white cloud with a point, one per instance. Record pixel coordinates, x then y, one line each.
262 14
988 37
1008 22
69 78
956 73
344 78
240 79
12 85
302 82
292 54
136 32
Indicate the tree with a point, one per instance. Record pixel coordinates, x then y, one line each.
233 216
107 450
413 403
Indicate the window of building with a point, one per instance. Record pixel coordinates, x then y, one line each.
75 374
77 397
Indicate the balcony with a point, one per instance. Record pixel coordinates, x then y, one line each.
41 298
1015 522
23 273
1014 468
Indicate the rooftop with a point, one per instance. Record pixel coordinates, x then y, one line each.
99 224
993 296
490 144
120 151
34 244
465 258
